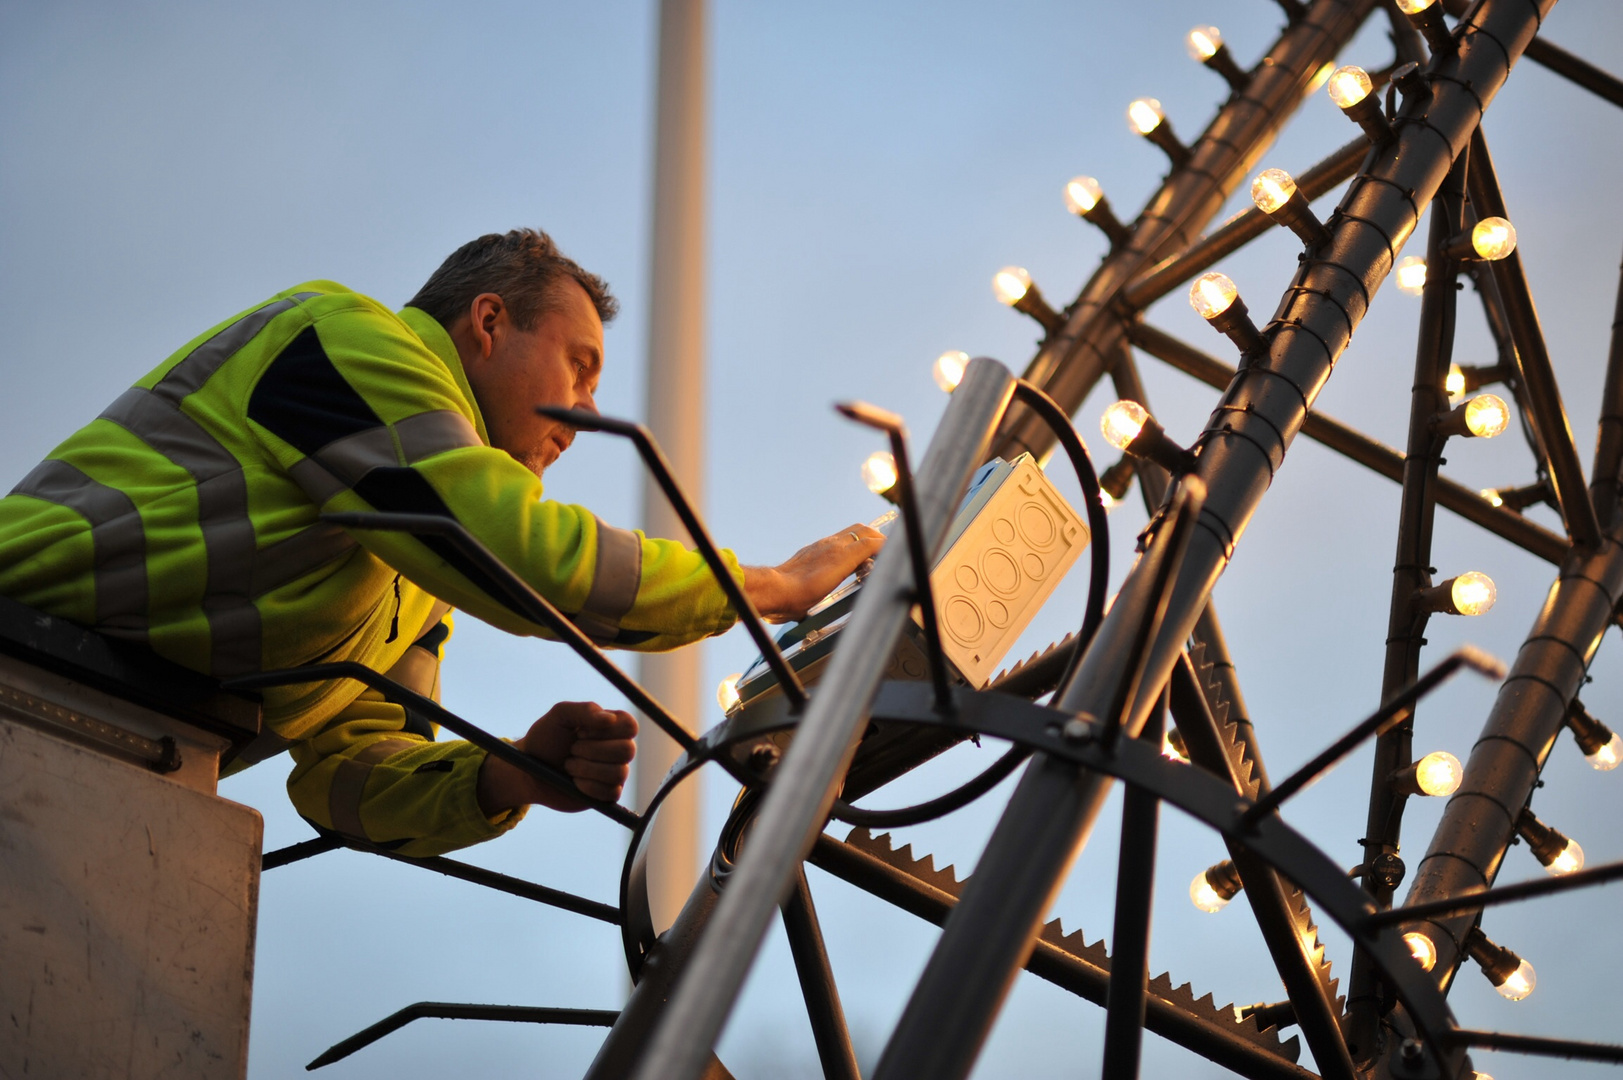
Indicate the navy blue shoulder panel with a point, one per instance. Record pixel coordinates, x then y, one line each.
305 401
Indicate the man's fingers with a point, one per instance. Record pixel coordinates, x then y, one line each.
598 771
613 751
606 724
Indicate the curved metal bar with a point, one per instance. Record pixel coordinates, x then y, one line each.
439 714
956 799
892 425
643 440
528 603
1098 521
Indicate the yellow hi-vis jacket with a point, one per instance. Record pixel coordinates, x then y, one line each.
185 516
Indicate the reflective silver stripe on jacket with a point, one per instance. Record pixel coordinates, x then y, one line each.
290 559
222 513
429 433
616 575
118 542
189 375
348 785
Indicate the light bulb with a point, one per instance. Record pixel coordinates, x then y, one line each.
1473 593
1454 382
1082 193
1414 7
879 472
1108 501
1272 189
1203 42
1607 757
1349 85
1145 115
1204 896
1011 284
949 369
1439 773
1122 423
1493 238
1486 415
1570 861
727 692
1492 495
1421 948
1172 749
1411 274
1211 294
1522 980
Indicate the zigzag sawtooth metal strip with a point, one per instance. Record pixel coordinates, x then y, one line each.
1066 960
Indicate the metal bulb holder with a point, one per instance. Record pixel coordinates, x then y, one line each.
1293 213
1428 19
1596 741
1367 114
1222 61
1353 91
1517 499
1480 417
1153 444
1554 850
1278 1015
1102 216
1468 594
1033 303
1475 377
1116 480
1499 964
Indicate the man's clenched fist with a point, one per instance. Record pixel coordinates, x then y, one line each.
592 744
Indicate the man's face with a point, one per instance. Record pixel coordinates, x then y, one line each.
556 362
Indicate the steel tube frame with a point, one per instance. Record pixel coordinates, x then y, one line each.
1505 894
817 985
807 779
445 1010
1371 453
1071 361
1533 360
1125 997
1603 477
1051 813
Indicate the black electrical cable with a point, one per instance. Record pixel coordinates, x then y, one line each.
956 799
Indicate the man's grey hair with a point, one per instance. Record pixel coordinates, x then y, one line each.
524 267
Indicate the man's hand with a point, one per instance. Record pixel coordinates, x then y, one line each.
783 593
590 743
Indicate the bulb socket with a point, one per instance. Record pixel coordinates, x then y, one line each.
1497 963
1452 423
1299 218
1234 322
1153 444
1431 26
1278 1015
1224 878
1439 599
1161 135
1367 114
1116 480
1108 223
1476 377
1545 843
1589 733
1517 499
1033 303
1222 62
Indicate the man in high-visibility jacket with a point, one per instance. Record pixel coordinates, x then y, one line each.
186 517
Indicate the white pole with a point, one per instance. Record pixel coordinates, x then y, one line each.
675 412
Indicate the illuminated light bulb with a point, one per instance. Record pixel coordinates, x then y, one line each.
1204 896
1493 238
1173 749
1607 757
1082 193
727 692
1011 284
1519 984
1492 496
1203 42
1486 415
1454 382
1439 773
1570 861
1108 501
1422 949
1349 85
948 370
1414 7
1473 593
879 472
1212 294
1272 189
1123 422
1411 275
1145 115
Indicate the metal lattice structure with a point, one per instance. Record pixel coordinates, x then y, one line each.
806 757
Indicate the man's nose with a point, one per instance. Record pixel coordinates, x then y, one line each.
585 403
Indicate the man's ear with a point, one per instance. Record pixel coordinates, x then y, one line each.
487 319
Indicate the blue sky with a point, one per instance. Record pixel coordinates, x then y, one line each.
165 165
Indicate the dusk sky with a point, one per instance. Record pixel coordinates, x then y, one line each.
164 165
